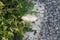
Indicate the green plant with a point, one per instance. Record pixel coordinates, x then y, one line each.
12 27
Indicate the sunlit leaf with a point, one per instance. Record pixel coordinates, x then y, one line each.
4 38
1 4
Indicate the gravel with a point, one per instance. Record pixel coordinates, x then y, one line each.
47 27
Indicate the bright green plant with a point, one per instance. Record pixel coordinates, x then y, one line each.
12 27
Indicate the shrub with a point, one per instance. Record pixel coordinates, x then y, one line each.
12 27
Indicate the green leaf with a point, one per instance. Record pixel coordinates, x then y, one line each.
1 5
19 5
4 38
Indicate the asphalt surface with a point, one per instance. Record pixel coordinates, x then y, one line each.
51 27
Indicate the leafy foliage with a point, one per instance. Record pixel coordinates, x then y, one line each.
12 27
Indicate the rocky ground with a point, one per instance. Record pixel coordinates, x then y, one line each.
47 27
